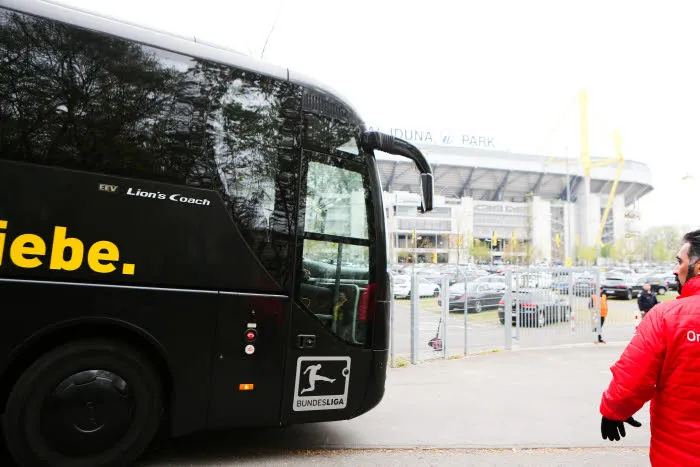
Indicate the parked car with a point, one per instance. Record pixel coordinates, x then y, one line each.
498 281
621 272
622 287
401 286
537 307
561 282
561 286
671 281
534 280
659 284
478 296
584 285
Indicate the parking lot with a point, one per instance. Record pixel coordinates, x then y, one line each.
485 333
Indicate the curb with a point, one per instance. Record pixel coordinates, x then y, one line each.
468 447
571 346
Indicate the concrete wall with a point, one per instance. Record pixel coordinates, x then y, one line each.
619 221
462 223
594 218
571 213
588 214
463 217
541 229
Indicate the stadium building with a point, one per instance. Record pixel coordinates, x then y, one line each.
514 205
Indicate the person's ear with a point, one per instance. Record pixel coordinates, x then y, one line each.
696 268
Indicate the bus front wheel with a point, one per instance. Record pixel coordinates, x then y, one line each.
87 403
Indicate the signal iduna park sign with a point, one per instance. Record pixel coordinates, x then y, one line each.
444 137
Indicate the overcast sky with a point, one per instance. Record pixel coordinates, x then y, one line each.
509 70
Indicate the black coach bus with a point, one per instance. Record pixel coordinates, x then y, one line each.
189 240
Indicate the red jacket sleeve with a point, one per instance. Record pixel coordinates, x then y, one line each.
636 372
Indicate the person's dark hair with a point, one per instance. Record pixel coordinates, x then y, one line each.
694 239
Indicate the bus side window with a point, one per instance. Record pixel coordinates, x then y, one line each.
132 110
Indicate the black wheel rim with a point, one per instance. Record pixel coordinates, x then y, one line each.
87 413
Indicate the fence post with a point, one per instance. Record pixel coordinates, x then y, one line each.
415 329
599 318
507 310
572 312
445 289
466 320
516 300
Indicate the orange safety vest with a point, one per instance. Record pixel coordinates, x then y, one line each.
603 304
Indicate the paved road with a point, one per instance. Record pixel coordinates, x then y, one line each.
431 457
527 399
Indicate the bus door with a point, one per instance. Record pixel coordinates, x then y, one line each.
329 356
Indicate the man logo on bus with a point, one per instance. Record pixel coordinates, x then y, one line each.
322 383
314 376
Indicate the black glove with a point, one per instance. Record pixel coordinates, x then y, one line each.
613 429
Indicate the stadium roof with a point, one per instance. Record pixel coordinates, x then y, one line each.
505 176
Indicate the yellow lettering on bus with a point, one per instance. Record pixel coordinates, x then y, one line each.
103 251
26 250
60 243
3 225
20 247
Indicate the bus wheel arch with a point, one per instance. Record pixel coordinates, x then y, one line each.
87 402
54 336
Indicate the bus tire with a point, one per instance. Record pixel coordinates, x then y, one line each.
60 413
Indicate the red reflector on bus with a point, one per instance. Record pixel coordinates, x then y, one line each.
245 387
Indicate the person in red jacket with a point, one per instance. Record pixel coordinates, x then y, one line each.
662 364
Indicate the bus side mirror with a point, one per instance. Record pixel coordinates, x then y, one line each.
372 140
426 186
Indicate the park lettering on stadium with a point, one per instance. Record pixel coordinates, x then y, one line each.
439 137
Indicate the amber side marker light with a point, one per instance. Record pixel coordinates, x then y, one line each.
245 387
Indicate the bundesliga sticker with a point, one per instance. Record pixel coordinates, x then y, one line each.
321 383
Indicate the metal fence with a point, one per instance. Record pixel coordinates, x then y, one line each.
544 307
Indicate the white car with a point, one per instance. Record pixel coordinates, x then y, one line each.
498 282
401 286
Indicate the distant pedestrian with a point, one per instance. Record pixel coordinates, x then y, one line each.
603 314
646 300
662 364
593 304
